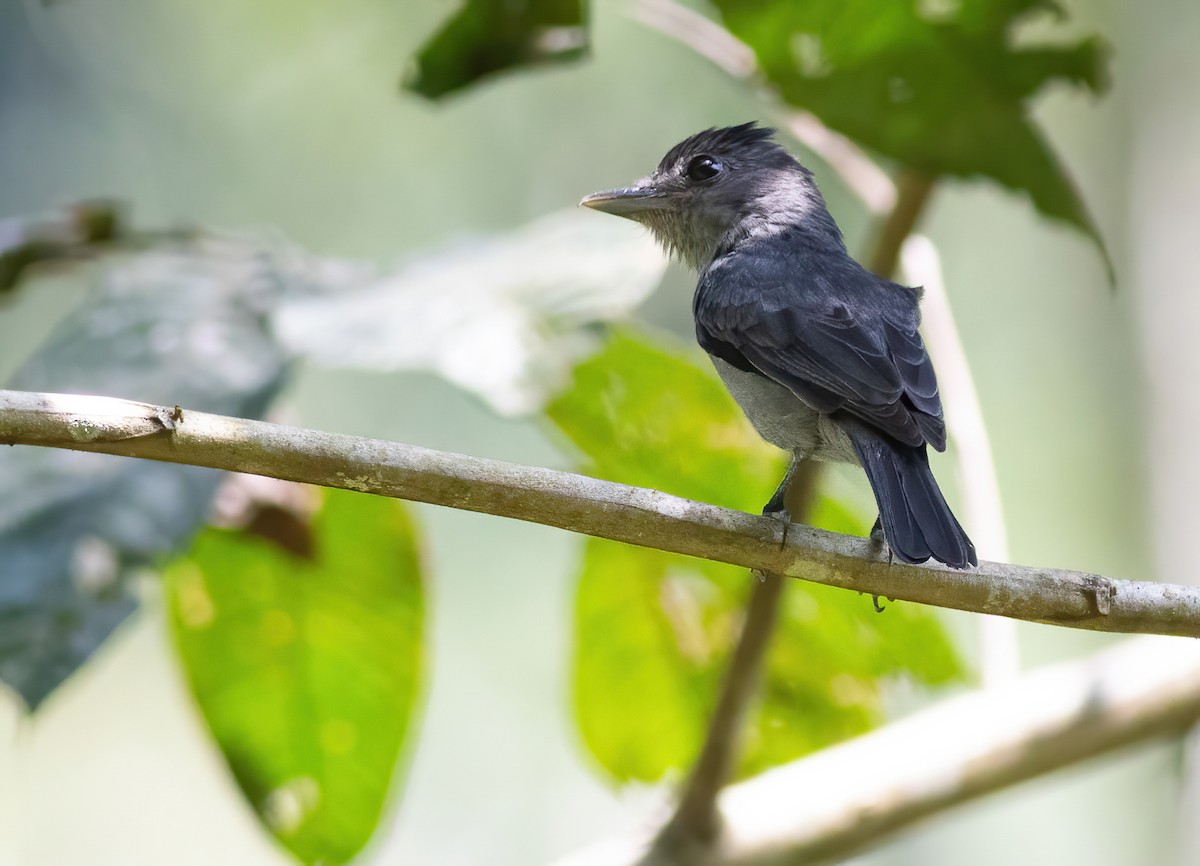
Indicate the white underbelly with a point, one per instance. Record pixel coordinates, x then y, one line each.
783 419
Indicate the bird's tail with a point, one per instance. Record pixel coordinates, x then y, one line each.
917 522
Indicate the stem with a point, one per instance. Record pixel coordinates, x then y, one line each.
913 189
695 818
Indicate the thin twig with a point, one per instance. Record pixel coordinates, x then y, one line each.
620 512
842 800
694 826
914 188
694 822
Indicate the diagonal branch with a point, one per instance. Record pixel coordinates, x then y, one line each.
695 823
913 191
634 515
841 800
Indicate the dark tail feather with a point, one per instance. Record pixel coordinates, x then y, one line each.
917 522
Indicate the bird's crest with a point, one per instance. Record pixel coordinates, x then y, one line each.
720 140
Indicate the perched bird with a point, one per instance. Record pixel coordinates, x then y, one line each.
822 355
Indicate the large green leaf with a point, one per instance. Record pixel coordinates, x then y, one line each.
651 416
486 37
307 670
654 630
941 85
630 646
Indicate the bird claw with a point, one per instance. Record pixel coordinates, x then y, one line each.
779 513
877 537
879 608
785 517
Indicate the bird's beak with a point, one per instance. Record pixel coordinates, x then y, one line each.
628 201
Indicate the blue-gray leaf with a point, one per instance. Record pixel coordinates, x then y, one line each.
184 325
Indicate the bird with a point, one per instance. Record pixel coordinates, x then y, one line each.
824 357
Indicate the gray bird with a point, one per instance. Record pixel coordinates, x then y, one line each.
823 356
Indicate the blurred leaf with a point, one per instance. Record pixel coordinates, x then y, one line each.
486 37
622 625
308 670
830 655
503 317
654 630
648 415
210 325
183 325
941 85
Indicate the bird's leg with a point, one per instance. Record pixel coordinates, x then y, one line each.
878 537
777 507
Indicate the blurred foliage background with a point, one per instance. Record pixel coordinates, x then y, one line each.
268 681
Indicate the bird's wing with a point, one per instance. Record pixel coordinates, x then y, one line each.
837 347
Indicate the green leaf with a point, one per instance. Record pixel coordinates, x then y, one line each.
940 85
486 37
654 630
825 667
649 415
633 641
307 671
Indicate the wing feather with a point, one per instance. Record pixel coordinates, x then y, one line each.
840 339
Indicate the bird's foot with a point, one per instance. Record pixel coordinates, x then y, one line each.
778 513
784 516
879 608
877 537
778 501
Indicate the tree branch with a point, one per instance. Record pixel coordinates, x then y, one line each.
694 824
913 190
604 509
843 799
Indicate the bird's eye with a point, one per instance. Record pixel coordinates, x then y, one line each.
704 168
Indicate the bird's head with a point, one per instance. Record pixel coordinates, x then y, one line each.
718 188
